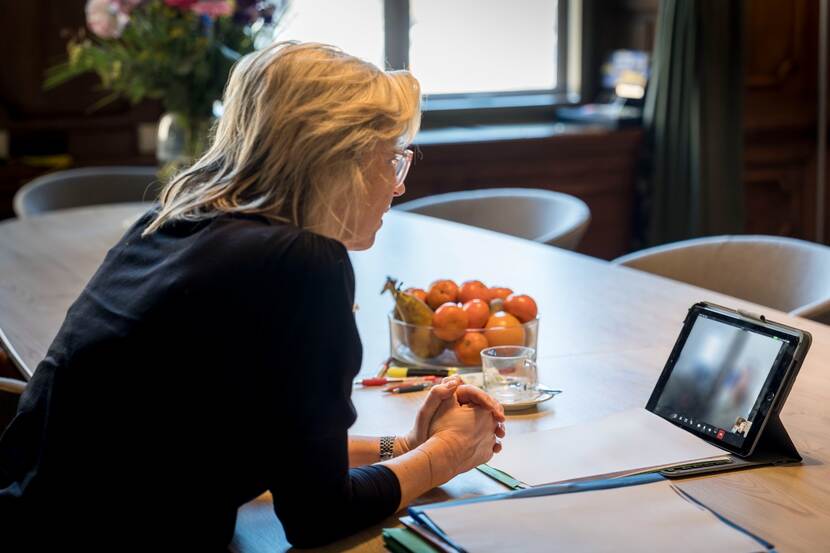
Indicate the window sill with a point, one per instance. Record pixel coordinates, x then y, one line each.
471 110
474 102
505 132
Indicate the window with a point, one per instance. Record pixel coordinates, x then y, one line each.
466 53
356 26
475 46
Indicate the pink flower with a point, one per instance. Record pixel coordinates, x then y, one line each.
213 8
105 18
182 4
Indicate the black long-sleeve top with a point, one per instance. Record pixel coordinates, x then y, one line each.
201 366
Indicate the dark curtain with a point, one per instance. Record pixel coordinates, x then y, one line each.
692 175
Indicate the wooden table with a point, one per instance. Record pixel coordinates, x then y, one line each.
605 333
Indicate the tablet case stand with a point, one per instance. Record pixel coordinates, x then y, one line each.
774 447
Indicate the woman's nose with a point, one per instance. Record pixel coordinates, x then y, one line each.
399 190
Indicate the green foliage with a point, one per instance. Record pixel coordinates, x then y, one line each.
164 53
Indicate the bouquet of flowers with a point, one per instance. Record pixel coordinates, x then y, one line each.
177 51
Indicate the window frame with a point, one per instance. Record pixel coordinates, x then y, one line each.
515 106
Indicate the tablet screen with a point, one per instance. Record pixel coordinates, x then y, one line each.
723 379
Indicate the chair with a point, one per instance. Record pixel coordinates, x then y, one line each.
10 388
86 186
783 273
540 215
10 391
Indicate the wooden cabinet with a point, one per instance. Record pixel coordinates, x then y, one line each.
596 166
780 116
779 110
39 122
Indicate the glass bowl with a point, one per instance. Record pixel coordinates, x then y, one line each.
419 347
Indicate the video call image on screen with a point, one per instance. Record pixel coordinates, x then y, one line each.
717 379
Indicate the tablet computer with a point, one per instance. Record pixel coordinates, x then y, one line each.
728 374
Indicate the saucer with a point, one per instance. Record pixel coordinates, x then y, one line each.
528 403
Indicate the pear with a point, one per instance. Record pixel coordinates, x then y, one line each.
415 312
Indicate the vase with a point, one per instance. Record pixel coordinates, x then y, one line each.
181 139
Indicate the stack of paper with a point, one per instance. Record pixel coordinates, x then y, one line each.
641 513
625 443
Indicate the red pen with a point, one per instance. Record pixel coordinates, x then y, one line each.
379 381
413 381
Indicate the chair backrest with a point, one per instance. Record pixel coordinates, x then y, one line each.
783 273
10 390
86 186
539 215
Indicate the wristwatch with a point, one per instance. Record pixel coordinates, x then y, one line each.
387 448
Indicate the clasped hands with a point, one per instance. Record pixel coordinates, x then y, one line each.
465 423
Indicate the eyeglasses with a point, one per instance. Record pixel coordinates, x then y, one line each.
401 163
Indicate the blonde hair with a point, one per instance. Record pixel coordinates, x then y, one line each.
299 120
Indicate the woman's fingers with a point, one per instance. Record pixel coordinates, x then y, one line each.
468 394
442 391
470 401
471 395
435 397
499 434
500 430
433 403
476 396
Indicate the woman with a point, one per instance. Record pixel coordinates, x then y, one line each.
211 356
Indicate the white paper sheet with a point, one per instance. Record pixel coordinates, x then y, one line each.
647 517
623 443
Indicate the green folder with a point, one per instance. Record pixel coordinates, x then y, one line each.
403 540
502 477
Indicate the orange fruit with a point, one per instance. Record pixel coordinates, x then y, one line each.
472 290
503 329
468 348
477 313
449 322
501 293
441 292
417 292
521 306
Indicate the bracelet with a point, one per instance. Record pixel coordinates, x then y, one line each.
387 448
